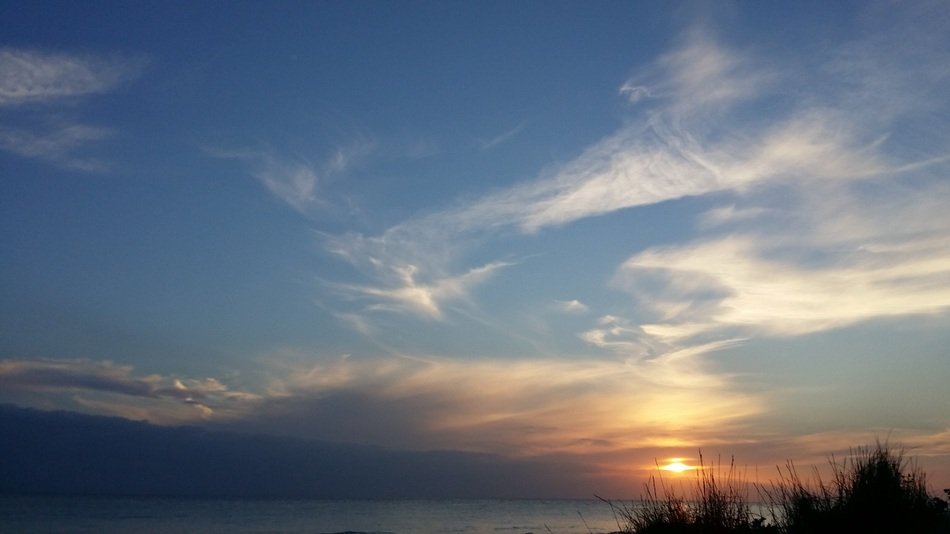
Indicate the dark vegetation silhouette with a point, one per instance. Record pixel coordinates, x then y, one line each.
874 490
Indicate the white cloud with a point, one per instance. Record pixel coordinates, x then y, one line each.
729 214
621 336
294 179
28 76
634 93
426 299
646 165
64 145
703 75
571 306
676 152
501 138
845 258
35 77
294 182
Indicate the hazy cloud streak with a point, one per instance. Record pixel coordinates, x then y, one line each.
59 146
425 299
28 76
294 179
501 138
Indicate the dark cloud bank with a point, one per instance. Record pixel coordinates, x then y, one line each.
68 453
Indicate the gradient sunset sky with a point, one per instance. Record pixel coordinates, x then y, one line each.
596 234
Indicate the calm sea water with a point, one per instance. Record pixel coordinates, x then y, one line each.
101 514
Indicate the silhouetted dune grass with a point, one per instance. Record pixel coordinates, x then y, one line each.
874 490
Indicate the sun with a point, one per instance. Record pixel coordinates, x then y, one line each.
676 465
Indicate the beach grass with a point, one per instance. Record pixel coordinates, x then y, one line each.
873 490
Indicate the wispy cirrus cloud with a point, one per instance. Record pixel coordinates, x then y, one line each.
294 182
295 179
406 293
673 152
700 133
34 84
504 137
64 145
31 76
665 159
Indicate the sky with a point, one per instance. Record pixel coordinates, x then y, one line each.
598 235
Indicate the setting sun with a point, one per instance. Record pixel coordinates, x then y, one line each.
676 465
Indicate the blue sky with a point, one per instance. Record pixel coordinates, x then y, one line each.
604 233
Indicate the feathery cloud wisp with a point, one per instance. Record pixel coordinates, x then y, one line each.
28 76
501 138
62 146
35 77
674 152
423 299
294 180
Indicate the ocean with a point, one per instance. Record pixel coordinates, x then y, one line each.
158 515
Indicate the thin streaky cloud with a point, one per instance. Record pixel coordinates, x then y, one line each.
501 138
293 182
729 214
29 76
35 77
63 145
294 179
425 299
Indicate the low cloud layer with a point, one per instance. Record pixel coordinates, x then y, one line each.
608 420
105 387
